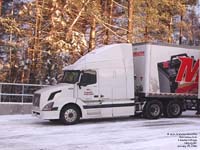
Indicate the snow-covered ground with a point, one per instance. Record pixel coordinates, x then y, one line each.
24 132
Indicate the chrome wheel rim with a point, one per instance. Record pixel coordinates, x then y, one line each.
70 115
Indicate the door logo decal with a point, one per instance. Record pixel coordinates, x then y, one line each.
88 92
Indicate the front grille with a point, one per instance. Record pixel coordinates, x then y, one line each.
36 100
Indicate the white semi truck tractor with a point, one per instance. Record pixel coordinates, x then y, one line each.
124 80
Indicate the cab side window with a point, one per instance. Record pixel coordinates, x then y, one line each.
88 77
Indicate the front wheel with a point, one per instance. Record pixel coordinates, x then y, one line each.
70 115
153 109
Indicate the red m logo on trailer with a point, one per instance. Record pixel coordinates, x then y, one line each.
188 71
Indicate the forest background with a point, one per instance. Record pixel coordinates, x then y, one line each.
39 37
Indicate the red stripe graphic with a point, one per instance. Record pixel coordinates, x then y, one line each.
187 89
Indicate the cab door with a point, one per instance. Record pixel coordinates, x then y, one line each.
88 87
88 93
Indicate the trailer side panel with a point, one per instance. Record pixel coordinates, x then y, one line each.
168 71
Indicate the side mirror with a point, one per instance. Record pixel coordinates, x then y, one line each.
79 85
83 81
83 84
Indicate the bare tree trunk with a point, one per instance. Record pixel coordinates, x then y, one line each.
193 33
170 31
1 1
36 42
146 30
146 34
92 42
10 49
130 21
110 15
181 31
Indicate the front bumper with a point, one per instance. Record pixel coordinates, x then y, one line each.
46 115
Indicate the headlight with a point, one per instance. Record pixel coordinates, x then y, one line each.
48 107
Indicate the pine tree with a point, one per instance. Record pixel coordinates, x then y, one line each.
59 28
49 34
9 39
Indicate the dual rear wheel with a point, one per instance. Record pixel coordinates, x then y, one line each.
155 108
173 109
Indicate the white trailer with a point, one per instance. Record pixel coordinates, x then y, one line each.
124 80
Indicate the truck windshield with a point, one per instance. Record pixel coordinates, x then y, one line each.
71 76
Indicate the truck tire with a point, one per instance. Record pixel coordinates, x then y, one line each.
70 115
153 109
173 109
